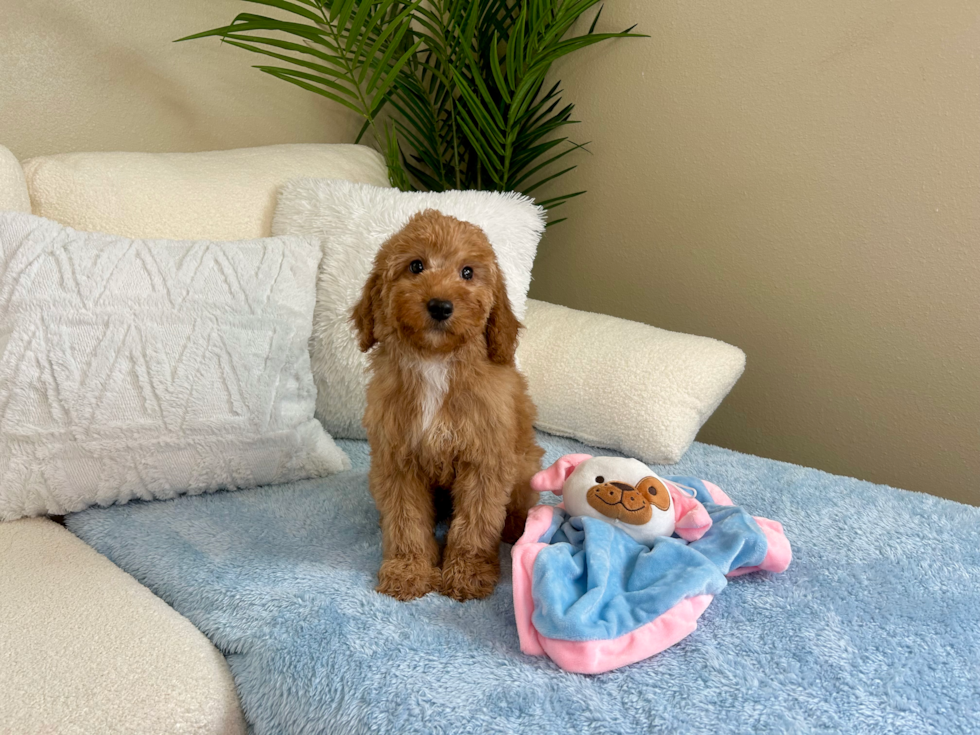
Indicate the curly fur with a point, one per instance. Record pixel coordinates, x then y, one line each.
448 415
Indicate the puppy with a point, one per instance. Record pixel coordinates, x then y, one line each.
448 415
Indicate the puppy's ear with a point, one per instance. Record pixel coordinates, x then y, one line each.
502 326
364 314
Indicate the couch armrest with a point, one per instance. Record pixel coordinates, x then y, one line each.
623 385
84 648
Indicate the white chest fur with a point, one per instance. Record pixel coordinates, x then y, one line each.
433 376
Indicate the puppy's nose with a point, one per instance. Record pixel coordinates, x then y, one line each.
440 310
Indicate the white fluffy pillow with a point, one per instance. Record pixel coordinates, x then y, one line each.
352 221
138 368
623 385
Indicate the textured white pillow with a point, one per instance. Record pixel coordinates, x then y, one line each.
135 368
353 220
623 385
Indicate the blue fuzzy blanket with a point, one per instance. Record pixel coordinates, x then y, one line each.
874 628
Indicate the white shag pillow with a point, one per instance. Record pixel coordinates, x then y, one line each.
352 221
147 369
623 385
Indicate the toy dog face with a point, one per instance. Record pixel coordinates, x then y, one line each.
627 503
623 492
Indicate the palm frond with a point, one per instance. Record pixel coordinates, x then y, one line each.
451 90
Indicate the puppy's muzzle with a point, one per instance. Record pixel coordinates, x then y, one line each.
440 310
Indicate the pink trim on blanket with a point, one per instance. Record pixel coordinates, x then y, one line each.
779 553
597 657
717 494
590 657
523 554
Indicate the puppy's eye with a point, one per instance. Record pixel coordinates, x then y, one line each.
466 273
600 478
416 266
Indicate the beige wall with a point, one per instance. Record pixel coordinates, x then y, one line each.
801 180
81 75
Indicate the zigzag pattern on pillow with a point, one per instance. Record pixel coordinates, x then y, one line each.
136 368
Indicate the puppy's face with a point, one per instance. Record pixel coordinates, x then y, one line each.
436 285
439 284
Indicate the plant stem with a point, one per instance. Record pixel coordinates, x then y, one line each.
365 105
452 116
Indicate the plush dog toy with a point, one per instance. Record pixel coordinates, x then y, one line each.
601 583
625 493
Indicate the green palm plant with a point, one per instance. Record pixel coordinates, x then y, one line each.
451 90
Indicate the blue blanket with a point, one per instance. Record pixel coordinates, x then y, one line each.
734 539
874 627
594 582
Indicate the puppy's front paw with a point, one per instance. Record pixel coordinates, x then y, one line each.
407 578
467 578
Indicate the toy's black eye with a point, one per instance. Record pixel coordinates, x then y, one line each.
466 273
416 266
600 478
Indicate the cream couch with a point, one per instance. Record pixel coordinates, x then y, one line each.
84 648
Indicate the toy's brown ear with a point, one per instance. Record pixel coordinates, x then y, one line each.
502 326
365 312
655 491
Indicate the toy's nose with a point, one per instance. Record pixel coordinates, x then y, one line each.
440 310
614 492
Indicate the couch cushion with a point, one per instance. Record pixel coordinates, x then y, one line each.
13 188
84 648
215 195
623 385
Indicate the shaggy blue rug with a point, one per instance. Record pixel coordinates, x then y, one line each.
875 627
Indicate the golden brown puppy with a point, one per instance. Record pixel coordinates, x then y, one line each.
446 408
